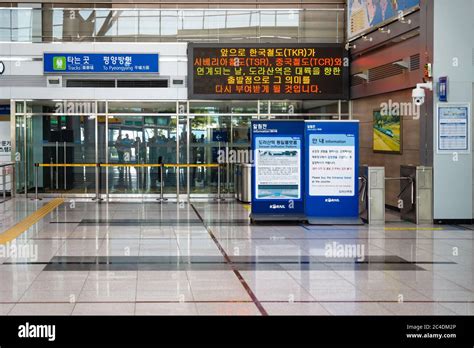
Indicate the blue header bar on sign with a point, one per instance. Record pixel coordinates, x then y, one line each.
4 109
116 63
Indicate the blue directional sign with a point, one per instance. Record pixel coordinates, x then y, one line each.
116 63
332 157
220 135
277 171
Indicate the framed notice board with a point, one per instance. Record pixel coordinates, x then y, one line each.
268 71
453 127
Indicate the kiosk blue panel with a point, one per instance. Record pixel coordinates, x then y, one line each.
332 157
277 173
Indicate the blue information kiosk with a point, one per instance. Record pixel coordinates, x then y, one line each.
277 171
332 178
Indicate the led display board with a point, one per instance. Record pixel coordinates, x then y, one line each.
268 71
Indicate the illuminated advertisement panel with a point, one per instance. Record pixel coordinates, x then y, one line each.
268 71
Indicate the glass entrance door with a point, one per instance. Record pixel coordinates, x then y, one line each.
209 135
129 140
20 155
136 145
141 136
49 136
68 140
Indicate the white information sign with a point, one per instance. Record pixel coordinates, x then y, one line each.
278 168
332 165
453 127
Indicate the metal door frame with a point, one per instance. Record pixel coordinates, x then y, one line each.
186 114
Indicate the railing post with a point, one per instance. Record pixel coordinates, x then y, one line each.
51 174
36 182
13 181
4 184
162 198
65 169
97 183
219 198
57 167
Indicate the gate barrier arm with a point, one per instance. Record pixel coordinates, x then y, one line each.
410 184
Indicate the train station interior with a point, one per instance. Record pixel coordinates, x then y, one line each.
220 158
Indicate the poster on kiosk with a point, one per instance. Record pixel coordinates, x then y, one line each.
277 171
332 178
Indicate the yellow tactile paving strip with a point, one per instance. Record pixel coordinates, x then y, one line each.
29 221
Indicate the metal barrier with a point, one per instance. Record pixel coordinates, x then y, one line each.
162 197
414 199
128 165
372 198
4 167
64 165
200 165
417 203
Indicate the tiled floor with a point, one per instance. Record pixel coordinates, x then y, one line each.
205 259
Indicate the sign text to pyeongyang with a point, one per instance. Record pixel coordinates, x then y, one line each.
63 63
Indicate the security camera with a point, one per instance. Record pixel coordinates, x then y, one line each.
418 94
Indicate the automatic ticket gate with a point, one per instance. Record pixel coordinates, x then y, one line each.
415 198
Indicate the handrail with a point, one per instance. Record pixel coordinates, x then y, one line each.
66 165
141 165
6 164
364 187
127 165
192 165
411 182
399 178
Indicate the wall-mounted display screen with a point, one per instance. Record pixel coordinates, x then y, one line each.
268 71
363 15
387 131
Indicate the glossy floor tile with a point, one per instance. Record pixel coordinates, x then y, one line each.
204 258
